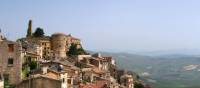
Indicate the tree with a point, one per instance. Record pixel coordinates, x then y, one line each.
33 65
38 32
138 85
73 50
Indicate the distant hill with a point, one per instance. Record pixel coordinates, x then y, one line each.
194 52
163 71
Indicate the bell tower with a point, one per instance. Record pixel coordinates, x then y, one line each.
29 31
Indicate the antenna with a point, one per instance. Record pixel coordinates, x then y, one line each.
7 35
1 35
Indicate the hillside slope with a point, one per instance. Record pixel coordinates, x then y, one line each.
167 71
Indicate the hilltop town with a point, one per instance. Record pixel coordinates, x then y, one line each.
58 61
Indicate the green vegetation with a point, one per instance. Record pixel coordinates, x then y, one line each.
28 67
25 72
7 85
38 32
33 65
138 85
74 50
86 81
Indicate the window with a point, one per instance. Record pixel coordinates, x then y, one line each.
63 80
10 61
44 53
69 81
6 78
1 78
11 47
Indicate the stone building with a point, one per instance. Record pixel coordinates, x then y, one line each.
127 81
55 75
55 45
40 82
31 51
102 63
11 61
98 84
59 44
60 70
43 42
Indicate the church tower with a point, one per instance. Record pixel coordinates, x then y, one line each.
29 31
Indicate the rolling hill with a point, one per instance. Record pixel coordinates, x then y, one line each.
163 71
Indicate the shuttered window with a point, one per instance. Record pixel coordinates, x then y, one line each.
11 47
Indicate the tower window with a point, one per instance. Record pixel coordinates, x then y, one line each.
10 61
63 80
69 81
11 47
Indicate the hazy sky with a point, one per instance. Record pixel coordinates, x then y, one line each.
117 25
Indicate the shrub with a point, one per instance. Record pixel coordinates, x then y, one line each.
33 65
38 32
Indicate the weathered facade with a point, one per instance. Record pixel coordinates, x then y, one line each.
55 45
59 44
127 81
40 82
11 61
62 70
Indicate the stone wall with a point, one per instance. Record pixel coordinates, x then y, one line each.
11 71
40 82
59 43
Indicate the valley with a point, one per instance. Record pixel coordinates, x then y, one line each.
165 71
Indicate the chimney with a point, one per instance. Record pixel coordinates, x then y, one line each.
44 69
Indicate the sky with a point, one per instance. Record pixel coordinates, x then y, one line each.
109 25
